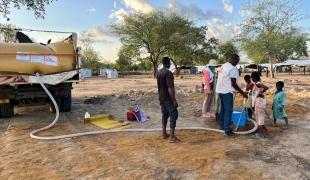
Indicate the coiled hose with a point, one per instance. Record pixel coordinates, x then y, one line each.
32 134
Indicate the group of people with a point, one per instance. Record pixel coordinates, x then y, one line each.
219 89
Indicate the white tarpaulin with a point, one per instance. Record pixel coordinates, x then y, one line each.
172 67
294 62
54 78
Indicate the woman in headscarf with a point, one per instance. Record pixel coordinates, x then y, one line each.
209 84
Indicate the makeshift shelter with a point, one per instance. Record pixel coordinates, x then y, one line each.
85 73
292 63
103 72
172 68
112 73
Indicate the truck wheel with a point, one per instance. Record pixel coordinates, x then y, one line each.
66 101
58 101
6 110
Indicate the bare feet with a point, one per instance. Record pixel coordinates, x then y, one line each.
207 115
174 139
212 115
166 136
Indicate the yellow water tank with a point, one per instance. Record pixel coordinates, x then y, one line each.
30 58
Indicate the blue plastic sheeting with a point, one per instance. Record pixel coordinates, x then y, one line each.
85 73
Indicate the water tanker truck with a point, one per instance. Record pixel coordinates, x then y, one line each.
24 64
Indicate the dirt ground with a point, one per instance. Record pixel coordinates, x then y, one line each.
200 155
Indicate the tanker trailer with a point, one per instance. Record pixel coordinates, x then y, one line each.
21 64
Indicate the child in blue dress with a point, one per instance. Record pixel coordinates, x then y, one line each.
278 105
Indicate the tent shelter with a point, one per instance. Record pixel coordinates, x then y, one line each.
289 63
103 72
172 68
112 73
85 73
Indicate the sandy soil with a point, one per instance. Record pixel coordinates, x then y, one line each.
200 155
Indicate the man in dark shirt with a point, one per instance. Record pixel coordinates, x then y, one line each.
168 102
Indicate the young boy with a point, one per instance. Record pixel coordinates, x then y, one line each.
248 89
278 105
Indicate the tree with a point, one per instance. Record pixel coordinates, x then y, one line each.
37 6
144 64
186 42
267 19
144 32
207 52
127 56
90 58
159 33
291 44
85 39
7 33
255 50
225 51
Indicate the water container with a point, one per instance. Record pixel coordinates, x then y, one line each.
29 58
236 117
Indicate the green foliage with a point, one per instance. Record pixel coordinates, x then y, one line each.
225 51
207 52
90 59
144 64
37 6
127 56
255 50
264 26
157 33
285 45
143 32
129 60
7 33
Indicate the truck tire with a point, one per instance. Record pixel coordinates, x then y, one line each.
6 110
66 101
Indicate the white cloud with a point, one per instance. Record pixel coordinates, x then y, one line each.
245 13
102 34
119 15
130 5
105 41
98 31
228 6
139 5
224 31
91 10
192 11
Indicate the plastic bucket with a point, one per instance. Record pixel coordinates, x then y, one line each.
236 117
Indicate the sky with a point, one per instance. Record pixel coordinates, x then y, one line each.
222 17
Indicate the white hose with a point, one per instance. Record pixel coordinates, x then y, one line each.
32 134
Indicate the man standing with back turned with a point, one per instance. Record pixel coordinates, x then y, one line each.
168 102
225 87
